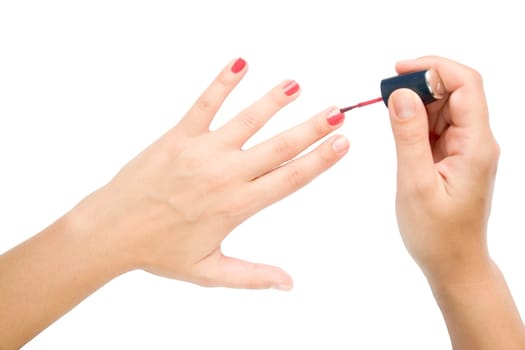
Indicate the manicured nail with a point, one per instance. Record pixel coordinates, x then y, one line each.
340 145
290 88
238 65
404 104
335 117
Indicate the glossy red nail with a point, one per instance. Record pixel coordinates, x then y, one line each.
238 65
336 118
290 88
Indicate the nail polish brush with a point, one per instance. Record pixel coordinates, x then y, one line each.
426 83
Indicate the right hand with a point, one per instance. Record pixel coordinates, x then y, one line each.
447 160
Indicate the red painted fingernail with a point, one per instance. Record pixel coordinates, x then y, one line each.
290 88
238 65
335 117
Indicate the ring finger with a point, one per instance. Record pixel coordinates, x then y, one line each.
238 130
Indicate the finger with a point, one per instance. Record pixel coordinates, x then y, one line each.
238 130
224 271
285 146
200 115
465 88
290 177
440 126
409 122
439 146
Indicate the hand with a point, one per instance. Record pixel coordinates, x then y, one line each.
447 160
168 210
174 204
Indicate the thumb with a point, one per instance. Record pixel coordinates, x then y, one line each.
408 116
230 272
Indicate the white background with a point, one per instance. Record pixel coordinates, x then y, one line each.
85 85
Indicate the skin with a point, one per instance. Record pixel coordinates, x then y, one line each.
168 210
444 193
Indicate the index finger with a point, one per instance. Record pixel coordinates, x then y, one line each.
198 118
466 104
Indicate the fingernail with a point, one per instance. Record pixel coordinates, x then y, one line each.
285 287
290 88
238 65
340 145
335 117
404 104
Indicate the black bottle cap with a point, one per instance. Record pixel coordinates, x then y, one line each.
427 84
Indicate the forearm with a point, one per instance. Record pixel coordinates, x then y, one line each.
479 311
46 276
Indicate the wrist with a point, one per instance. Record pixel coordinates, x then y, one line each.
472 272
479 310
92 222
462 257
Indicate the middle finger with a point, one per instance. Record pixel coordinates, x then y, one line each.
272 153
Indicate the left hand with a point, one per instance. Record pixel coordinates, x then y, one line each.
171 207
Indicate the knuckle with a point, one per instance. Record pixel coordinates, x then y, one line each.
282 147
249 121
326 155
494 155
277 99
475 76
205 105
295 179
410 136
236 210
223 81
423 188
429 57
497 151
487 157
319 127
